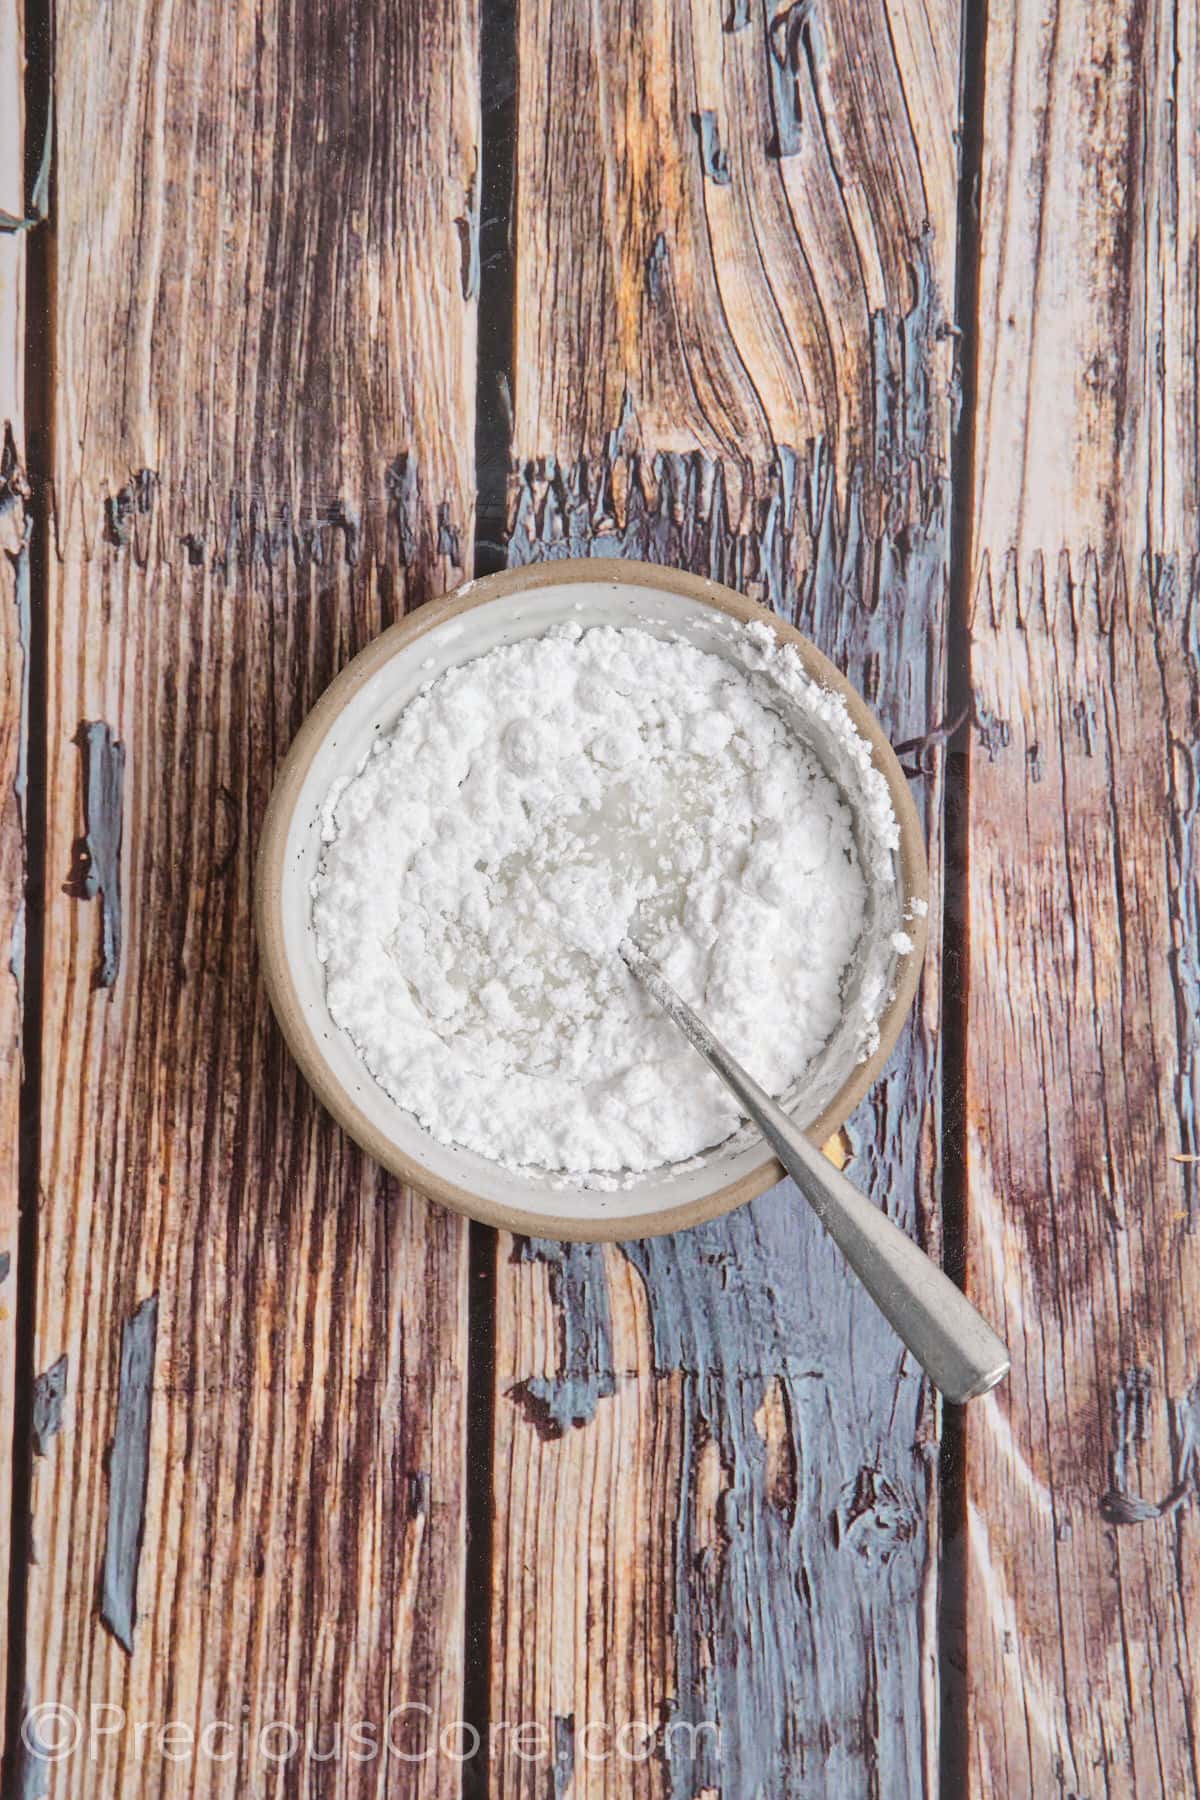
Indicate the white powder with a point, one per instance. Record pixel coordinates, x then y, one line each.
534 806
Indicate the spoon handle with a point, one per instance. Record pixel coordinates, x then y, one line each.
953 1343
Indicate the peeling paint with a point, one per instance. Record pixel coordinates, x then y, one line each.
657 264
789 48
257 534
24 603
133 499
1087 723
675 513
765 1290
917 329
579 1292
403 495
564 1754
418 1494
345 519
128 1474
1176 597
16 524
995 734
904 414
448 536
49 1395
713 157
874 1518
16 951
467 226
39 198
97 867
15 495
34 1758
1131 1407
1185 1424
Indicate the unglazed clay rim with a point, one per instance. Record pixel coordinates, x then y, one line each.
269 898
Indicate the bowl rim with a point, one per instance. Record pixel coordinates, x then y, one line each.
269 889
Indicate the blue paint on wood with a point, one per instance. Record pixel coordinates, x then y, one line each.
883 389
789 51
34 1758
798 1633
995 733
564 1754
257 534
657 269
1131 1410
133 499
39 196
714 159
49 1395
1185 1431
449 537
917 330
467 226
403 490
16 523
128 1474
900 365
779 1623
344 519
585 1376
16 953
97 868
1176 596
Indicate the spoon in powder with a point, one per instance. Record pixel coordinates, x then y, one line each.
953 1343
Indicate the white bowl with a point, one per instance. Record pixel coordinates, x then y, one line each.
364 702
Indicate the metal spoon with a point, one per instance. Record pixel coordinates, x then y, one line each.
953 1343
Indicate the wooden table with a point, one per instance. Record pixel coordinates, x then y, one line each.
334 304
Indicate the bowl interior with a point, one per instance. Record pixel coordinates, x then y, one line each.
365 703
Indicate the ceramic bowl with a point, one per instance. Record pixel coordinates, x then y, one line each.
364 701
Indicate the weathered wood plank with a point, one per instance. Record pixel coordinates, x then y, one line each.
264 400
14 581
1083 1596
734 255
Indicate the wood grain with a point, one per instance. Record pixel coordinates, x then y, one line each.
263 413
715 1471
14 580
1083 1597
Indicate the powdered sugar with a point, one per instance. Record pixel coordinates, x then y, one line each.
534 806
